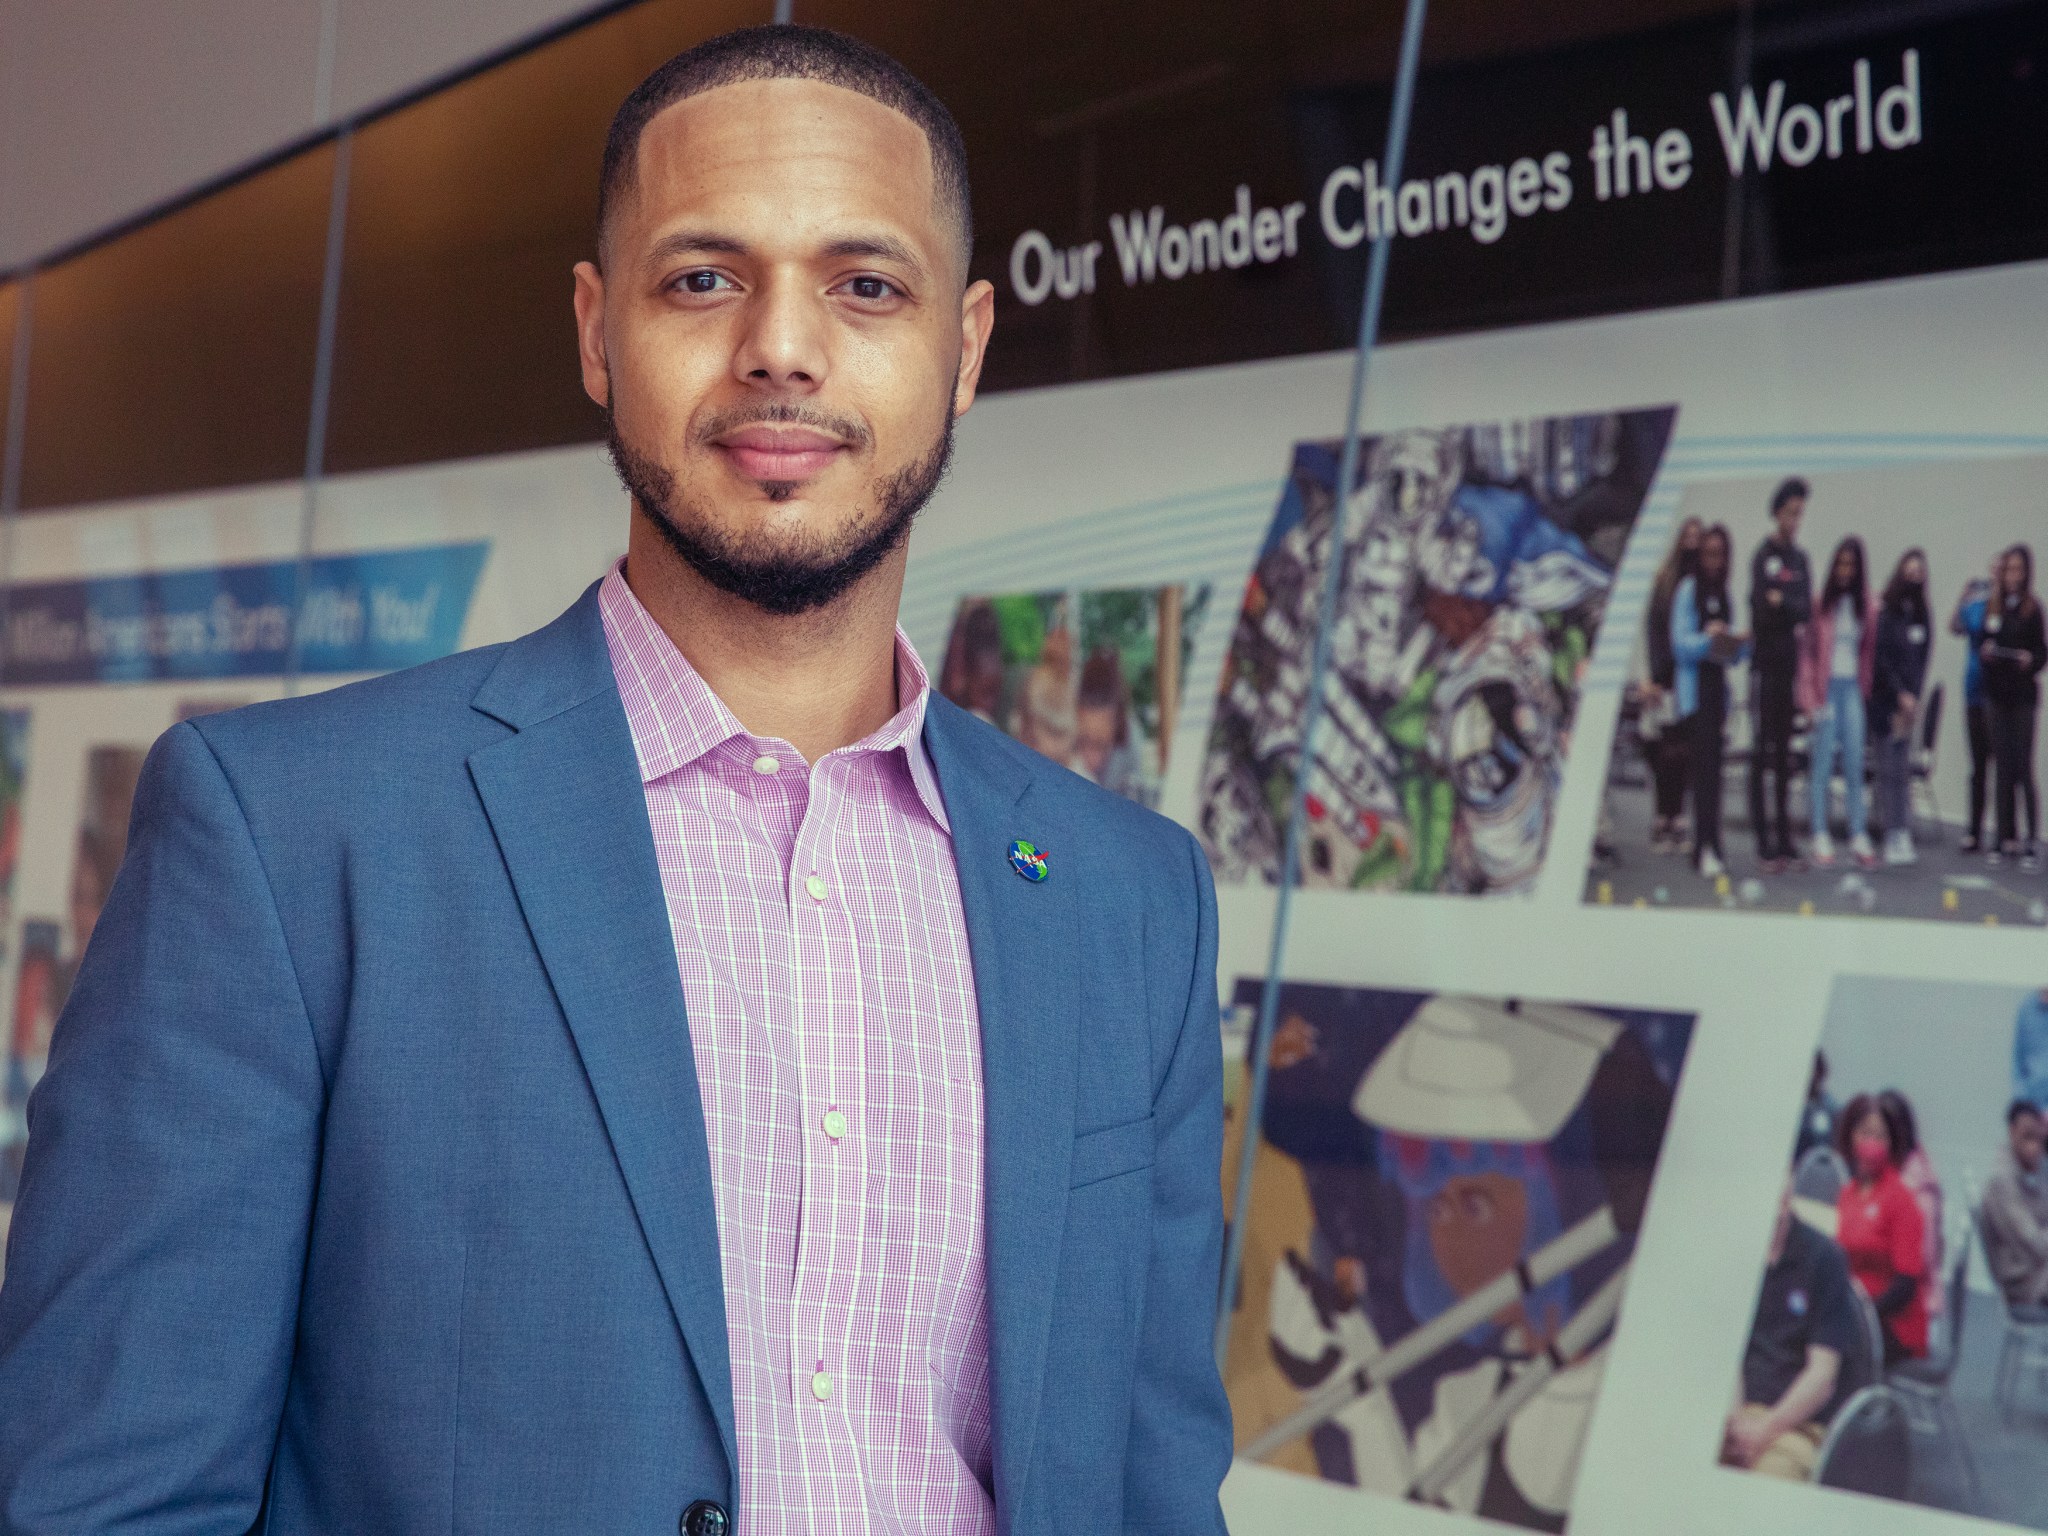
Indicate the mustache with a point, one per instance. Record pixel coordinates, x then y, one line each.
781 413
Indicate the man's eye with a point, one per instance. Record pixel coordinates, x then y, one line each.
871 288
700 282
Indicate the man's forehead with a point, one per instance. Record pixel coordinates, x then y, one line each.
762 138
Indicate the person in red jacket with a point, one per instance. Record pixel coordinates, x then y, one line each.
1879 1224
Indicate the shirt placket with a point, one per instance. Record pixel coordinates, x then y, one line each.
836 1137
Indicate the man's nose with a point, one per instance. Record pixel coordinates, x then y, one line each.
782 347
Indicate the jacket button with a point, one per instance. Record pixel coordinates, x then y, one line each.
705 1518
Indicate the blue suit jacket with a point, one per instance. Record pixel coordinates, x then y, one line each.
367 1190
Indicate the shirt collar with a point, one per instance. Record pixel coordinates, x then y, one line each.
676 719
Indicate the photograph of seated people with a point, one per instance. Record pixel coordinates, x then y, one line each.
1899 1345
1879 765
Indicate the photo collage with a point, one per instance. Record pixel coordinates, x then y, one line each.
1693 702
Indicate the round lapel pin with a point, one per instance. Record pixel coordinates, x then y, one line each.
1028 860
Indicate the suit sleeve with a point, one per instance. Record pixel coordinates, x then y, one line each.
154 1264
1180 1444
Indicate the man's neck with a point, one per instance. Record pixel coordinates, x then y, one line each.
819 680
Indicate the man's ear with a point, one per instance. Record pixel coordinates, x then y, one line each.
597 378
977 320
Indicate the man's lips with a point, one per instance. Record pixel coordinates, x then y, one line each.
779 453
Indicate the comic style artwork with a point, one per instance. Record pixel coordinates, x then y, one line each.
1477 563
1092 679
1445 1200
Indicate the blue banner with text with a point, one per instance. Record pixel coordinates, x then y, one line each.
370 612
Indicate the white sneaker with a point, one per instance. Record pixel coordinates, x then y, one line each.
1861 850
1898 848
1821 851
1711 867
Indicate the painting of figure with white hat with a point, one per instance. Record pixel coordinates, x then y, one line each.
1445 1200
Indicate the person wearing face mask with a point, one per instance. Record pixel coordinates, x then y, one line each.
1880 1226
1837 655
1898 672
2014 650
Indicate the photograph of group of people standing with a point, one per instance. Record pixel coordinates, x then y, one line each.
1815 676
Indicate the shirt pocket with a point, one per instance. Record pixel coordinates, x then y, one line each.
1111 1151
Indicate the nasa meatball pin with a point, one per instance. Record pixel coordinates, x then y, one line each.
1028 860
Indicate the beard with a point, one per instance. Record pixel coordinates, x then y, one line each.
789 577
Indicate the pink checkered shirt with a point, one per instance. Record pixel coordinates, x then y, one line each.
818 929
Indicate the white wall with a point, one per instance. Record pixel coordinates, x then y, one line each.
108 107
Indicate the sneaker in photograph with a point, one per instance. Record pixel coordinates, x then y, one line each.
1994 856
1971 844
1772 865
2030 860
1861 851
1711 867
1822 851
1899 850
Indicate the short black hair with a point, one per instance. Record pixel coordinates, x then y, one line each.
1790 489
2019 1107
789 52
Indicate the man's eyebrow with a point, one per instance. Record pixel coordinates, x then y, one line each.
881 247
695 242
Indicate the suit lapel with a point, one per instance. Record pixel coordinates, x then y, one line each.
565 800
1023 941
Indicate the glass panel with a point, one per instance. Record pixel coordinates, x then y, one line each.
466 212
10 316
180 355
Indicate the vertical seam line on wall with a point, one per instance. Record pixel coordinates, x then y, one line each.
13 445
323 390
1290 863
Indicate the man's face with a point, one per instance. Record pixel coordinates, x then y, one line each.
1787 518
780 336
2029 1132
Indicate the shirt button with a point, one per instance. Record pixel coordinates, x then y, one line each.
815 884
767 764
835 1124
821 1386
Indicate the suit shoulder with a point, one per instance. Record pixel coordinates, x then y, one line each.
412 707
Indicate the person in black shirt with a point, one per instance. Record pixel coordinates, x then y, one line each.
1899 670
1806 1354
2014 651
1780 600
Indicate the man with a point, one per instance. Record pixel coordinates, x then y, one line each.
669 1072
1805 1356
2016 1210
1780 600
